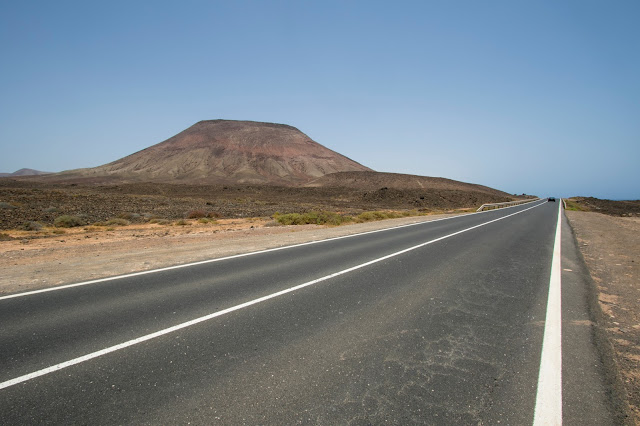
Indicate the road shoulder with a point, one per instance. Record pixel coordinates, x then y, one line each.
609 251
74 258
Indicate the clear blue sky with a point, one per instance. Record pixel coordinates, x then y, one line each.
541 97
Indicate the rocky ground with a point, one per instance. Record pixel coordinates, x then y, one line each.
27 200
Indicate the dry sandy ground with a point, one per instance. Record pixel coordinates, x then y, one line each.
611 248
89 253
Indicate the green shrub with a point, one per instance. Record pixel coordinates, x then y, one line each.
573 205
67 221
4 205
312 218
159 221
182 222
289 219
366 217
380 215
5 237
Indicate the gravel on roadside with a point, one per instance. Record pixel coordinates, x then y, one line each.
611 249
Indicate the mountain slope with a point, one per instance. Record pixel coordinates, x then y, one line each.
224 151
370 180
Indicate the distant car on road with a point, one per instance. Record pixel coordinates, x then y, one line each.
552 199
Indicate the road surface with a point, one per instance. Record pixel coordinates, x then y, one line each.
440 322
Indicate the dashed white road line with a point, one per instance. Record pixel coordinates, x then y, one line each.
147 337
549 396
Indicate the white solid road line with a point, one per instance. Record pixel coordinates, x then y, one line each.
185 265
549 396
99 353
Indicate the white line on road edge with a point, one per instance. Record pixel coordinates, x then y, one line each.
185 265
99 353
549 397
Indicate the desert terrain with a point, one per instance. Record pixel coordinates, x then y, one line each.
29 200
608 235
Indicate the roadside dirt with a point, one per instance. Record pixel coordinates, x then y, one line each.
610 246
82 254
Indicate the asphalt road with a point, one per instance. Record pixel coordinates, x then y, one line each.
436 323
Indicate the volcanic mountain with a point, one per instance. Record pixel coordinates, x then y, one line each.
224 151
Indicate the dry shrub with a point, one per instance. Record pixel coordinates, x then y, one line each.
196 214
113 222
207 220
129 216
67 221
31 226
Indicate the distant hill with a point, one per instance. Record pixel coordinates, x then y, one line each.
25 172
611 207
224 151
370 180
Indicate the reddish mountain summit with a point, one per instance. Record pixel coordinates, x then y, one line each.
224 151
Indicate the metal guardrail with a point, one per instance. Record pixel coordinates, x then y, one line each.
491 206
